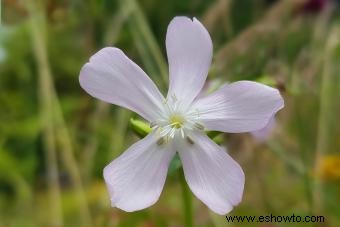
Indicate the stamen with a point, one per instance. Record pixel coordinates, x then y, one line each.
165 130
174 98
167 106
176 120
160 141
153 124
195 114
172 133
199 126
190 140
182 133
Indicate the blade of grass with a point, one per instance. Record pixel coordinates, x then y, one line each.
299 76
54 117
325 117
46 100
67 155
217 16
9 173
90 147
265 29
281 154
122 117
145 41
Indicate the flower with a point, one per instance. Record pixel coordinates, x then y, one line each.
329 169
136 178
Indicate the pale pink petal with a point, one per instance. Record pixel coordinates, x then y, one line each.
112 77
212 175
189 50
264 133
242 106
136 178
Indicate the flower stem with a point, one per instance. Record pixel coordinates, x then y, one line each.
187 201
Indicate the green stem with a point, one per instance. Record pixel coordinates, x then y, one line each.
91 147
187 201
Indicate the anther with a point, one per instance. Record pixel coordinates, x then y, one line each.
190 140
152 124
160 141
199 126
174 98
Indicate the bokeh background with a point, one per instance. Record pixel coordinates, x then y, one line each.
55 139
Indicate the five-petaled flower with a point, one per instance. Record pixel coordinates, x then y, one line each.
136 178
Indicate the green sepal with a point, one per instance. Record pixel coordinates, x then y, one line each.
218 139
141 128
213 134
216 136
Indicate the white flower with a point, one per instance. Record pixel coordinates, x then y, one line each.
136 178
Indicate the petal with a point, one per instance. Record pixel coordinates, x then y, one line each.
189 50
239 107
136 178
112 77
212 175
264 133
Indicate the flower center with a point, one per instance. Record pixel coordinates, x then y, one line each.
176 121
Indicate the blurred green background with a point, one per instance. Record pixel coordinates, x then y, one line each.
55 139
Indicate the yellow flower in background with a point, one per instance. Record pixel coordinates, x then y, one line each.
330 168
